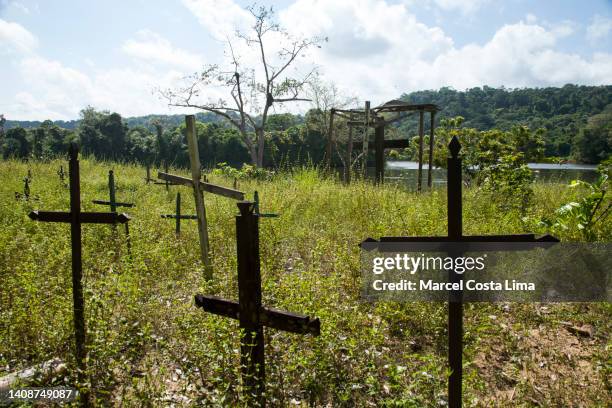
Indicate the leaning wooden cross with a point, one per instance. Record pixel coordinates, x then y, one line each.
199 187
253 316
455 234
75 217
178 216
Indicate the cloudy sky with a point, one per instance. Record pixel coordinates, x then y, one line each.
60 56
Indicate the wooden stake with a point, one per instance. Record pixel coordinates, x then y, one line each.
420 172
432 116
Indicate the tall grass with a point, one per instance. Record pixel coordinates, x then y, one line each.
149 345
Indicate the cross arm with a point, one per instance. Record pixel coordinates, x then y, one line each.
274 318
85 217
208 187
116 204
388 144
183 217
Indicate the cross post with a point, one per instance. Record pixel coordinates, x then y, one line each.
249 311
61 174
178 216
455 234
75 218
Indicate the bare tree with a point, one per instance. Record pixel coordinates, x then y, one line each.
324 96
252 89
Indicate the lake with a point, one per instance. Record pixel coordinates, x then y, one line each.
405 172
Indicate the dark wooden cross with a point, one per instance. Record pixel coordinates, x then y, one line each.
75 217
113 204
61 174
256 209
249 311
455 234
112 200
26 191
178 216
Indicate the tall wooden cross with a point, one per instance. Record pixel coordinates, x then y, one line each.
455 234
199 187
249 311
178 216
75 217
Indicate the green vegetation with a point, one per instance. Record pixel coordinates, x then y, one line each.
150 346
572 122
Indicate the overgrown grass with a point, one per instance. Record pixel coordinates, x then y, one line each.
150 346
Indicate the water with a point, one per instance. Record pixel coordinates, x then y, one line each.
405 172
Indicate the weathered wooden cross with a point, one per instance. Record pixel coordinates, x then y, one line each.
178 216
455 234
199 187
26 191
250 312
113 204
61 174
75 217
256 208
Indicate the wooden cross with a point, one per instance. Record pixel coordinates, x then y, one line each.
455 234
148 179
61 174
26 191
112 201
249 311
199 187
75 218
256 209
178 216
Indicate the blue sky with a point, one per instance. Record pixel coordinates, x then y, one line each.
60 56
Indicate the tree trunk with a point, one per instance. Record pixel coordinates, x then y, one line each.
260 147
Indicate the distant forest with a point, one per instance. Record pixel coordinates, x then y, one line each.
576 123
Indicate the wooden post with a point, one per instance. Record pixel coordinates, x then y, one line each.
330 138
366 139
148 179
455 305
420 172
379 152
77 266
432 116
111 189
196 174
249 299
178 214
349 153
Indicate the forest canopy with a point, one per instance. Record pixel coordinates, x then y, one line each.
573 121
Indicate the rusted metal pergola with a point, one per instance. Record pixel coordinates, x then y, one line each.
378 118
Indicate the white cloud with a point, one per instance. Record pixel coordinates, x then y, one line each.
599 28
379 50
152 47
464 6
15 38
220 17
